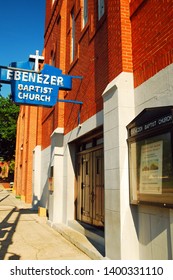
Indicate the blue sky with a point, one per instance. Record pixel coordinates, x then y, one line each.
22 31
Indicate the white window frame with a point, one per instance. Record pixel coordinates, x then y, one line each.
53 58
72 35
85 12
101 8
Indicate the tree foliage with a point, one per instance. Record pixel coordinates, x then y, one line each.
8 121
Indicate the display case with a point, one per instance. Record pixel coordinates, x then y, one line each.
150 145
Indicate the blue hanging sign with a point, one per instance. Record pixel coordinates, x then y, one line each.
35 88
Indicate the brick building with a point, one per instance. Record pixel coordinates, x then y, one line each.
73 159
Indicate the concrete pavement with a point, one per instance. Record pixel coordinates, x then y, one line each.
26 236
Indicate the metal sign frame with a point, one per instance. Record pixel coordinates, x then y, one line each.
39 88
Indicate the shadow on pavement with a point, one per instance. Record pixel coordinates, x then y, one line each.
4 197
7 230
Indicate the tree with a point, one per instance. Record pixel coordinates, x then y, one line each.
8 121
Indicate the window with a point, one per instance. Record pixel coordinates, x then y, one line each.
51 171
72 35
101 8
151 171
150 142
53 58
85 12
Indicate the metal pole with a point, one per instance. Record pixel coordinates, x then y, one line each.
70 101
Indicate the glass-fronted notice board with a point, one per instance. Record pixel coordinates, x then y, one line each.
150 145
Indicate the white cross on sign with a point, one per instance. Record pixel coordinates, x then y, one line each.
36 58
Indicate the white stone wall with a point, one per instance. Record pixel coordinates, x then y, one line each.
41 162
155 224
157 91
45 163
36 177
56 200
120 232
155 233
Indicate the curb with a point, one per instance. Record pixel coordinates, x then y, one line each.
77 239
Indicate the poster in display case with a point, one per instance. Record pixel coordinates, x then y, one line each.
151 168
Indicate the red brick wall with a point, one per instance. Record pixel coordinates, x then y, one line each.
31 142
126 41
103 52
55 44
152 37
49 9
27 138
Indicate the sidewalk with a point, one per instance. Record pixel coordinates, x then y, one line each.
26 236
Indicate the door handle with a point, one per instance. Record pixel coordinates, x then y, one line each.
92 195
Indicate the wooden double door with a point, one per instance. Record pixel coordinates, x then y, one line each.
90 183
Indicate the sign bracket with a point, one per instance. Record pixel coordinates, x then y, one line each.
74 102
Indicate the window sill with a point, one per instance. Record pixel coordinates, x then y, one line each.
73 63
